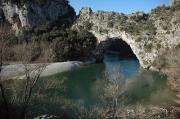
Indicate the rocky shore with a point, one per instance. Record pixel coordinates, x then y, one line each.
17 71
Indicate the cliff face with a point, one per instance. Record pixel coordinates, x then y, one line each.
148 35
174 2
32 14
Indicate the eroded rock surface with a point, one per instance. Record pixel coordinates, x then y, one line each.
148 35
32 14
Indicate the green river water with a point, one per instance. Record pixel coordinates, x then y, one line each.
85 87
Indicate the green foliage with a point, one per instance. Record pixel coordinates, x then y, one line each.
165 14
121 18
138 39
110 24
66 44
160 10
74 46
178 46
120 21
22 2
88 25
148 47
169 61
136 24
139 17
158 46
175 7
132 28
11 39
39 2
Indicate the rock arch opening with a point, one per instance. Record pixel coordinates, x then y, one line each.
117 46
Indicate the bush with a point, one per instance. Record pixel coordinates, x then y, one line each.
138 39
22 2
175 7
178 46
158 46
74 46
88 25
63 43
110 24
148 47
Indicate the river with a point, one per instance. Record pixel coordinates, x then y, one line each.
86 86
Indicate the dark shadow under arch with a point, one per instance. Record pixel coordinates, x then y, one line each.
117 46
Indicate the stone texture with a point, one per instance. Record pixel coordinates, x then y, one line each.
162 40
105 25
174 2
32 14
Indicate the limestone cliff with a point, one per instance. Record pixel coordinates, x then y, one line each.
31 14
174 2
148 35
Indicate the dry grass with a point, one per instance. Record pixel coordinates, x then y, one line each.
23 53
31 52
169 64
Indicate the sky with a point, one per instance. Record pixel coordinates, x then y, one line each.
125 6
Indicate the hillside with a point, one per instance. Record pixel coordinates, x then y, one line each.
149 35
96 65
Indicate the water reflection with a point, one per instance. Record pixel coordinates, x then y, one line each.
114 63
93 84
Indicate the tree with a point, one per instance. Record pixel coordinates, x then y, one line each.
3 46
31 72
114 90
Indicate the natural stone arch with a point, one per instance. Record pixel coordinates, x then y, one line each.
147 44
117 46
126 38
100 29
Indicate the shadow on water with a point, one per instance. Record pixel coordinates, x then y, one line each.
148 88
127 66
61 94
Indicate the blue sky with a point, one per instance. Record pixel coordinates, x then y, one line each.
125 6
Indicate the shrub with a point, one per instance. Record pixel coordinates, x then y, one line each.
121 18
110 24
175 7
88 25
138 39
74 46
64 43
22 2
178 46
148 47
158 46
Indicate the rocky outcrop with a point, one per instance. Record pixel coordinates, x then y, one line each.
148 35
32 14
174 2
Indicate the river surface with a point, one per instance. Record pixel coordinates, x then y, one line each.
86 86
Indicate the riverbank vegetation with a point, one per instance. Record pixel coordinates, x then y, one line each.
42 44
169 63
52 44
118 97
31 76
114 99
